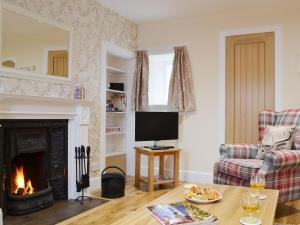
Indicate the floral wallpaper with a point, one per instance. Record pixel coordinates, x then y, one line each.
91 23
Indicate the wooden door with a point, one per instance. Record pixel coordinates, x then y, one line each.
250 84
58 63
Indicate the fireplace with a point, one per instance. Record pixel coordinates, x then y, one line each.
34 160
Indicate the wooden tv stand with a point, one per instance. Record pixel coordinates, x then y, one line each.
150 180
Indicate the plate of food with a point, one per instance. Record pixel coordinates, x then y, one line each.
201 194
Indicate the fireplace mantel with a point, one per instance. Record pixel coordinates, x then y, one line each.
15 106
44 98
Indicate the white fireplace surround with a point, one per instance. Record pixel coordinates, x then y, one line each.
77 112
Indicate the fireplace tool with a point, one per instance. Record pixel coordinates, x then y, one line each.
82 157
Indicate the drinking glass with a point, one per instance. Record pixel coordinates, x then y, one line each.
250 205
258 183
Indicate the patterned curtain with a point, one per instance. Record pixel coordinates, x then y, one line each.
140 85
181 89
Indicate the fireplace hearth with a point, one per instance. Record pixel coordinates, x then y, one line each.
34 163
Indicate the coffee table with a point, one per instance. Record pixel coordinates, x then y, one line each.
228 210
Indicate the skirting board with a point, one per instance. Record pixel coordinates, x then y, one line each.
185 175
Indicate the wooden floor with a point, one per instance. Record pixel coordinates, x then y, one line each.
106 214
288 213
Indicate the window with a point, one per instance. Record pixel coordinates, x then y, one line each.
160 69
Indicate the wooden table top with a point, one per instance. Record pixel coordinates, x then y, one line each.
228 210
147 151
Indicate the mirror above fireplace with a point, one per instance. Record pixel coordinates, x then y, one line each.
32 46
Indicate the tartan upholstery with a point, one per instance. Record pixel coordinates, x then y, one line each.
228 151
266 118
242 168
276 160
281 168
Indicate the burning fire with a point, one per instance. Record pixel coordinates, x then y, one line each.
21 188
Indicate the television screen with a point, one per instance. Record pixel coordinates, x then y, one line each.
156 126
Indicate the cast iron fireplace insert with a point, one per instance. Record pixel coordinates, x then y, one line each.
33 164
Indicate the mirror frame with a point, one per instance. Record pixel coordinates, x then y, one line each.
36 76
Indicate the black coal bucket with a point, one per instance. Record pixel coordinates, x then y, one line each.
113 183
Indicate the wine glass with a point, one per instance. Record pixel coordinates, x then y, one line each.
250 205
258 183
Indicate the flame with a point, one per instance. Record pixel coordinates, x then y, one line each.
20 183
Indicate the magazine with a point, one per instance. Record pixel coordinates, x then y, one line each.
181 213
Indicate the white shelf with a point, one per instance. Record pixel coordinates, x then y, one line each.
109 154
115 91
118 65
114 70
116 112
116 133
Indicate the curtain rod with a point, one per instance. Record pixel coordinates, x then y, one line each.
161 50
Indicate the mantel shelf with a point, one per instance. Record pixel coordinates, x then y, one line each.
4 96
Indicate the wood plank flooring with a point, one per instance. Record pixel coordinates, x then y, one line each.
117 208
288 213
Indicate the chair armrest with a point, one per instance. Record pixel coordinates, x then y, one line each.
283 159
238 151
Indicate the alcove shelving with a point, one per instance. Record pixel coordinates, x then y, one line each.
116 122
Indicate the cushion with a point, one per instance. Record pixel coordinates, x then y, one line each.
242 168
290 117
276 138
280 137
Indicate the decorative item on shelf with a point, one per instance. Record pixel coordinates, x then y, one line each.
82 89
119 102
77 92
116 86
82 157
109 106
27 68
113 129
113 183
116 103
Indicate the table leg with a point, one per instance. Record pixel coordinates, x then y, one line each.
137 169
150 173
161 165
176 168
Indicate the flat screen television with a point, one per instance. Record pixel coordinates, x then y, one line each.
156 126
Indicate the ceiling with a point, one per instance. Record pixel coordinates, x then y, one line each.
141 11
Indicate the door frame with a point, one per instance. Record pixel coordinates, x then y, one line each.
277 29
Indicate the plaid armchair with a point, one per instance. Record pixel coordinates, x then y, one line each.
281 168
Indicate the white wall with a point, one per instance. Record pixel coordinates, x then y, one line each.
202 131
30 50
